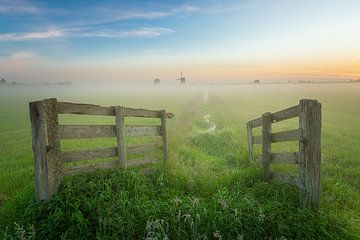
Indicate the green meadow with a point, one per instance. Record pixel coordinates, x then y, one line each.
207 190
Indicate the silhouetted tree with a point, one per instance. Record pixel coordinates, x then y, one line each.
2 81
156 81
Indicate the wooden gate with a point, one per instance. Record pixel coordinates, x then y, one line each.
46 135
308 157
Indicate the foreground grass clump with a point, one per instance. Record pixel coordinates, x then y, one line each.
113 204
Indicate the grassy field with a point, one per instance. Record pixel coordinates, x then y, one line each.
208 190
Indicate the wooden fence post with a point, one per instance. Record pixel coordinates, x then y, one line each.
250 140
164 134
120 135
46 147
310 153
266 145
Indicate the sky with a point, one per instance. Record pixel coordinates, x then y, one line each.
210 41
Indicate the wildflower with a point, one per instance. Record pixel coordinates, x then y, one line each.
217 235
261 216
223 204
240 237
194 201
177 200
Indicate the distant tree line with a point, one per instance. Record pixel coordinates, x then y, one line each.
4 82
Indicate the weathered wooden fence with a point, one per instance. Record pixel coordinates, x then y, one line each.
46 135
308 157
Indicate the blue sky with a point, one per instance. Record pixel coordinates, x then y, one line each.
209 40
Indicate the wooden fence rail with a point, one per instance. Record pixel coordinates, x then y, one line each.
47 133
308 157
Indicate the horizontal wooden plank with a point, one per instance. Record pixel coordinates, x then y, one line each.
285 136
92 109
89 168
142 148
143 130
101 131
141 161
86 131
285 158
79 155
257 140
255 122
87 109
138 112
285 178
285 114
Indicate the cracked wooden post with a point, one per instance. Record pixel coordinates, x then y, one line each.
46 147
310 153
250 140
120 136
164 134
266 145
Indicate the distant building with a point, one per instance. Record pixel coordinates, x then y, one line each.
181 79
257 81
64 83
156 81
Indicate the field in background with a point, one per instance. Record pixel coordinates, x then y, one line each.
208 147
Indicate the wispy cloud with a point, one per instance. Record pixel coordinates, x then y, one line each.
23 55
17 7
31 35
146 32
113 14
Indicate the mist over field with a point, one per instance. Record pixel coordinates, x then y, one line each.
232 119
208 166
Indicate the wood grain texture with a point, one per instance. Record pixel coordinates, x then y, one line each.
250 141
46 147
285 178
89 168
285 114
285 158
143 130
255 122
310 153
120 135
92 109
164 135
79 155
142 148
102 131
266 145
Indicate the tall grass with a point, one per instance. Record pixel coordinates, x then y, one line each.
208 189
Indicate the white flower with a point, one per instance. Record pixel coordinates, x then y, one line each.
194 201
261 216
240 237
217 235
224 204
177 200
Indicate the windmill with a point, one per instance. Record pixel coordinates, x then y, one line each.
181 79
